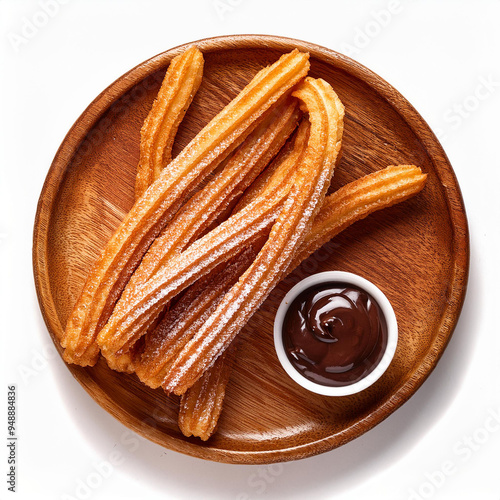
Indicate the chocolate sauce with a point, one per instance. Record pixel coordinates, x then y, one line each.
334 334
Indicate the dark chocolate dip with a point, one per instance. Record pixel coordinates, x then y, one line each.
334 334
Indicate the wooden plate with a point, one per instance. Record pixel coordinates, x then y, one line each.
416 252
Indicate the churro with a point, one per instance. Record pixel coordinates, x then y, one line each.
210 202
181 82
164 197
185 318
239 172
201 405
129 322
357 200
302 204
165 343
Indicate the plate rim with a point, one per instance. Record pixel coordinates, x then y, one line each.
447 180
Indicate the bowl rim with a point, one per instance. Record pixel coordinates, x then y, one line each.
387 311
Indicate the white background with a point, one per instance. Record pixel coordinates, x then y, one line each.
438 54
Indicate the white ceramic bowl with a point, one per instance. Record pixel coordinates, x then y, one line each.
387 311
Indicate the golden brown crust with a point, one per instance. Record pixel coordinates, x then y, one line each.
238 173
280 169
201 405
357 200
303 202
181 82
210 202
186 317
132 318
199 301
156 208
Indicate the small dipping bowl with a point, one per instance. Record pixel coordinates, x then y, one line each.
384 357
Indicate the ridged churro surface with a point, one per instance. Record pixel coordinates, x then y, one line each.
163 198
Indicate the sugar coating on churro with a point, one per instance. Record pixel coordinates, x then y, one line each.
181 82
164 197
309 188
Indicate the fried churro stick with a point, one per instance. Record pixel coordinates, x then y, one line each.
162 199
242 168
273 174
185 318
181 82
357 200
164 344
131 320
240 171
201 405
179 86
288 232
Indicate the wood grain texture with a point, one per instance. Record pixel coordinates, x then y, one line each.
416 252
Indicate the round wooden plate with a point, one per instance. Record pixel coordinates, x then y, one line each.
416 252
